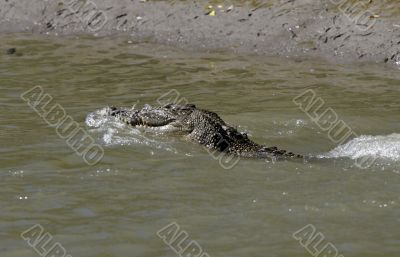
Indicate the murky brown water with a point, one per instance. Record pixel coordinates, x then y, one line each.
145 182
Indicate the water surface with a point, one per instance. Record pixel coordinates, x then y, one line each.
145 181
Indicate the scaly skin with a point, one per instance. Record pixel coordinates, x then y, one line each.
201 126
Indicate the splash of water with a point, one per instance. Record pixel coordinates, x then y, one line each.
384 147
112 131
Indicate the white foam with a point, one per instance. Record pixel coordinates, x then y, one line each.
383 147
112 131
97 118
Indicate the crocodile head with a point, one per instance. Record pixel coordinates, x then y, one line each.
168 118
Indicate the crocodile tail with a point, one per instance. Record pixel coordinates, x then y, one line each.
274 152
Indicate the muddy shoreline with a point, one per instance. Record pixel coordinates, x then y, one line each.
286 28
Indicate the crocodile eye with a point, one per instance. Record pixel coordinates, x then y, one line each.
168 106
184 107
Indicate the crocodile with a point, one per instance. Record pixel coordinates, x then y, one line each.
198 125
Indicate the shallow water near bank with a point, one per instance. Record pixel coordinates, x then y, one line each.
145 181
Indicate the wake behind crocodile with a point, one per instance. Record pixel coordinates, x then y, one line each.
383 147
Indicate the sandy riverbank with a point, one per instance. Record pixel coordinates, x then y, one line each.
287 28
